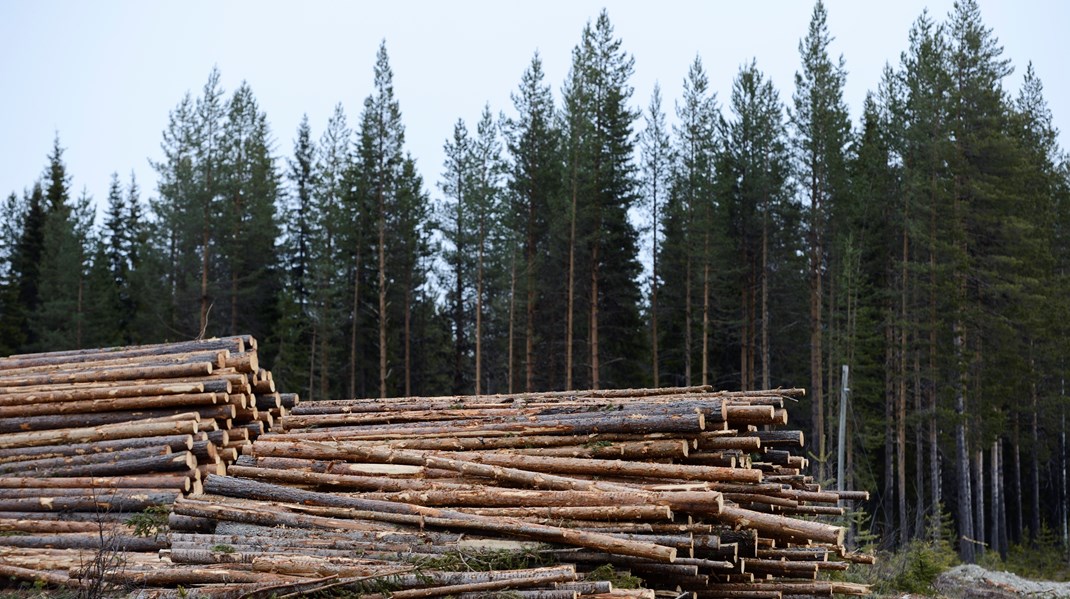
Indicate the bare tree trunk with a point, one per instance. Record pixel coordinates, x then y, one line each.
889 432
687 323
962 454
919 453
594 317
765 297
901 395
312 361
1035 430
979 500
1019 506
512 321
744 333
571 288
79 313
407 332
479 311
1063 516
706 313
204 278
353 327
816 351
382 295
654 297
993 521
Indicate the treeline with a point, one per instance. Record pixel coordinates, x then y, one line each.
925 247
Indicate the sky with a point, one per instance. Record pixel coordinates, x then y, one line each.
103 75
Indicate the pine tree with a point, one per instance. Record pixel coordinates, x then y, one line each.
656 160
753 168
13 213
453 218
690 228
533 143
821 135
603 251
486 212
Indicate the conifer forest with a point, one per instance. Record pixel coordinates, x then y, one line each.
581 238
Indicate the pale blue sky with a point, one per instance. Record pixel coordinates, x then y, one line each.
104 74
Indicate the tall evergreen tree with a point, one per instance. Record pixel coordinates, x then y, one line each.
533 143
604 184
656 160
821 135
753 172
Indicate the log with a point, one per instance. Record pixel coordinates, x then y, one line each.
100 433
179 482
232 487
175 442
782 527
168 462
43 466
111 374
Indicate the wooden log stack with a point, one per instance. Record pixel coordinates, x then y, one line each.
678 487
90 439
542 495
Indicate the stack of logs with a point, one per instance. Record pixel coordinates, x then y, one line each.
89 438
685 488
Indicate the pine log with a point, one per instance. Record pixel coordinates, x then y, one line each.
100 433
782 527
111 374
175 442
42 466
178 482
123 467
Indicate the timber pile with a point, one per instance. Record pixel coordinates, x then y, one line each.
90 438
676 486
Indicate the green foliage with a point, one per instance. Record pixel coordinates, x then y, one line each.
222 549
487 560
620 580
1043 560
151 522
913 569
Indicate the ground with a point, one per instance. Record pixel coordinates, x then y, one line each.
971 581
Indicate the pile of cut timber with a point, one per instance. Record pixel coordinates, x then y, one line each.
90 438
676 486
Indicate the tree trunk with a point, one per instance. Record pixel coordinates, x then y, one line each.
919 453
479 311
687 322
979 500
765 297
204 277
407 333
353 326
901 396
571 286
962 454
816 351
1035 430
382 293
993 521
1019 509
512 322
889 432
706 307
594 317
654 298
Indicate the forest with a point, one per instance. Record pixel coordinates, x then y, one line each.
576 240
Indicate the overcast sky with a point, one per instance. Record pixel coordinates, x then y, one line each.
105 74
